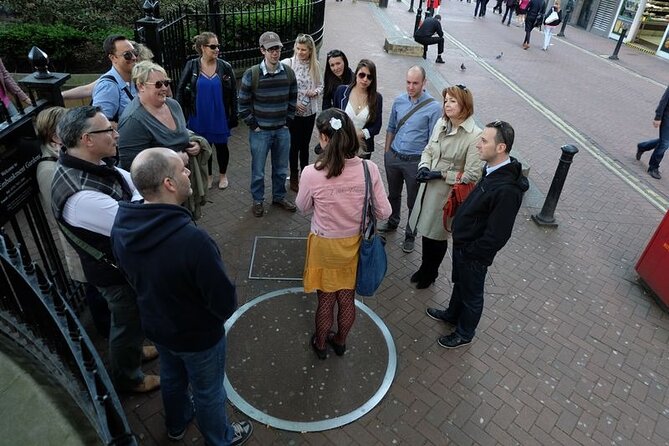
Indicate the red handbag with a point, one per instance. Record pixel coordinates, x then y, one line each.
458 195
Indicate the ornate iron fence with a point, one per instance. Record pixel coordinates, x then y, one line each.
237 25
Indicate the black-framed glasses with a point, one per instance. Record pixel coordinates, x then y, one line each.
213 46
129 55
362 75
274 49
109 130
335 53
462 87
159 84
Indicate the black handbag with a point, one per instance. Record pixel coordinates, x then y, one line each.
372 262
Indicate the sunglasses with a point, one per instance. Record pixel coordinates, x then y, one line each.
502 129
335 53
159 84
362 75
462 87
129 55
109 130
213 46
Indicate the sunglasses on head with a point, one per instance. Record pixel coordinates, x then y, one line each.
462 87
159 84
213 46
362 75
129 55
335 53
502 129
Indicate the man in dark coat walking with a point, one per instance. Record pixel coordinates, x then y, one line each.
535 9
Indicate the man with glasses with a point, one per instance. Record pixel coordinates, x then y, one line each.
85 194
481 227
412 118
425 36
267 102
114 91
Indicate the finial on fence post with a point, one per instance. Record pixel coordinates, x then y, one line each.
40 62
150 7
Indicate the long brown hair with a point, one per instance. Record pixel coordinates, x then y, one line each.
343 142
371 90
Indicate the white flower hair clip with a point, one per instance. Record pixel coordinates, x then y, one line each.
335 123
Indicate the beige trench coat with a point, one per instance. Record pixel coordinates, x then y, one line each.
450 153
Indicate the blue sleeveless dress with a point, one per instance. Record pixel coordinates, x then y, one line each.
210 120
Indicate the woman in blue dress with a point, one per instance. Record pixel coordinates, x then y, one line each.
207 93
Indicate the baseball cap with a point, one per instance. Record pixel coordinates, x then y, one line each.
270 39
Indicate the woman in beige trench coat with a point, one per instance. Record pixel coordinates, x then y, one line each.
450 156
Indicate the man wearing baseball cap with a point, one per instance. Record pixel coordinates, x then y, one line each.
267 100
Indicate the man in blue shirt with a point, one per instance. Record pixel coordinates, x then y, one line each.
412 119
114 90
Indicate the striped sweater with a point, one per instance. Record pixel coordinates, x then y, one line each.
272 104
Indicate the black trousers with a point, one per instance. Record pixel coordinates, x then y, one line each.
509 11
529 26
223 158
433 254
300 129
427 41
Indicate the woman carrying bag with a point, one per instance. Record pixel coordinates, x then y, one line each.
552 19
333 188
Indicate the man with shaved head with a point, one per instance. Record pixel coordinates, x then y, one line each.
412 118
183 293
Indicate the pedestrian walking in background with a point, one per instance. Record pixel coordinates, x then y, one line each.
552 19
363 104
658 146
521 12
509 7
450 157
207 93
481 227
534 13
337 72
309 86
333 188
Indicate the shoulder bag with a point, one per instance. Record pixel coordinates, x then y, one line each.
458 195
372 262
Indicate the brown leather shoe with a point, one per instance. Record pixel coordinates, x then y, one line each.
149 353
149 384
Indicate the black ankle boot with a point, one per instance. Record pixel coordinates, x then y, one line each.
424 282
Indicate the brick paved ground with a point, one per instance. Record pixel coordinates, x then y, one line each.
570 350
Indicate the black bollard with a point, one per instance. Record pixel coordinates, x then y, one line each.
568 10
419 16
545 217
614 56
410 6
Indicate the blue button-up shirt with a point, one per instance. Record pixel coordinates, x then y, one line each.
110 97
415 133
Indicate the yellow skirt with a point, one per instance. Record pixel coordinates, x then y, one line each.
331 263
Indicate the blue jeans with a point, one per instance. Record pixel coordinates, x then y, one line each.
204 371
125 336
466 305
399 173
658 146
261 144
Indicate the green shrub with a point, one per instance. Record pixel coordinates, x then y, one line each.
69 49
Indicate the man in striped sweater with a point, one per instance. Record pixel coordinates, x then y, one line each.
267 100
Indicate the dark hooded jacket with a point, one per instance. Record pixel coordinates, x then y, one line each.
483 223
183 293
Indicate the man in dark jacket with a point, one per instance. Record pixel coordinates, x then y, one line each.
424 35
658 146
183 293
481 227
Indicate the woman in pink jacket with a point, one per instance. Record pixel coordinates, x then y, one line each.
333 188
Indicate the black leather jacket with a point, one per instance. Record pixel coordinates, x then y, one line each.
187 89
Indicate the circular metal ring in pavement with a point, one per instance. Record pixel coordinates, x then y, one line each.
274 377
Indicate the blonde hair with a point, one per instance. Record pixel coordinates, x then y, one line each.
143 51
314 66
47 121
142 70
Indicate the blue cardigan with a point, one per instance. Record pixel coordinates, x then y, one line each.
341 101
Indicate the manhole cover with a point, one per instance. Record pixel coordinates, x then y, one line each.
274 377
